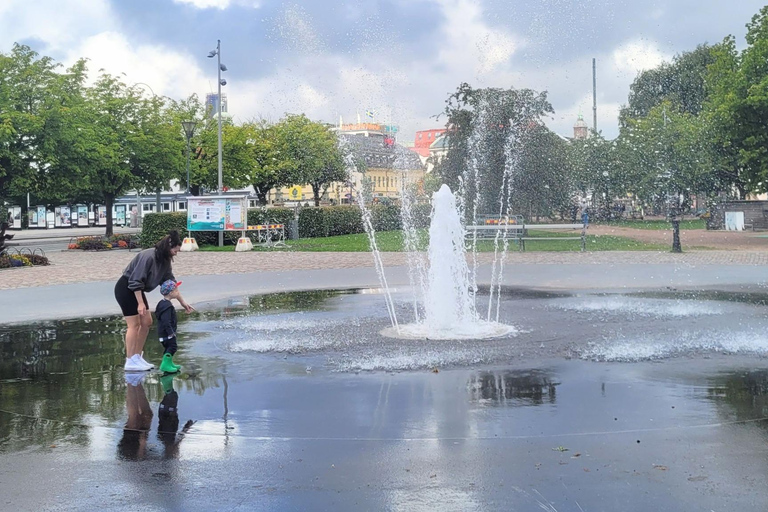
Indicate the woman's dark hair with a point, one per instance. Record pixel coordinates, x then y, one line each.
164 246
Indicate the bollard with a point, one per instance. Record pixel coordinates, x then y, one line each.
676 247
244 244
189 245
295 229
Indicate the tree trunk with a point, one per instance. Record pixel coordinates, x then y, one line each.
316 193
108 202
262 196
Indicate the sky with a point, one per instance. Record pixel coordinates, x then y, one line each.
400 58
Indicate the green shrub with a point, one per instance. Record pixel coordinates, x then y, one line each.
421 215
385 217
343 220
312 223
157 225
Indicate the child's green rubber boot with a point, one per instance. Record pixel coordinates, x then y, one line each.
167 365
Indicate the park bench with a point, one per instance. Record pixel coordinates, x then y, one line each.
519 232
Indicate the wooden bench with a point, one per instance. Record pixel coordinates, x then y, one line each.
519 232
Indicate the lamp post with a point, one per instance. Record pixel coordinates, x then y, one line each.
189 131
221 67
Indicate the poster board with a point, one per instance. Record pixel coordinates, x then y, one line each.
217 213
82 216
42 216
65 217
734 221
120 215
102 220
14 217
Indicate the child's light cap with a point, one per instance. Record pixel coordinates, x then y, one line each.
168 286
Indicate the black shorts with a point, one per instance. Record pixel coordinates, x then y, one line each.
127 298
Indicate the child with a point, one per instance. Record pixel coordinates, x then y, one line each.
166 324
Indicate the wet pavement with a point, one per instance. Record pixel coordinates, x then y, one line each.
270 417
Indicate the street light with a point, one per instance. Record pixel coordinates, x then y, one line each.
219 68
189 130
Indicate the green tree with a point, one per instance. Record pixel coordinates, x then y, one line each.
270 167
313 153
113 140
26 80
681 83
738 107
482 123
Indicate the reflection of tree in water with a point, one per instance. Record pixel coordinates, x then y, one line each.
531 387
69 372
273 303
745 394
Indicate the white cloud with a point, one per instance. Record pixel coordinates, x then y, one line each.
58 23
469 43
73 29
166 71
639 55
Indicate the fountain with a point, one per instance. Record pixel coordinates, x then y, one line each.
449 306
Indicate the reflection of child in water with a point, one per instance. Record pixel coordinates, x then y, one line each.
168 416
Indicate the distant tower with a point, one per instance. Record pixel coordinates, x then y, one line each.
580 129
212 104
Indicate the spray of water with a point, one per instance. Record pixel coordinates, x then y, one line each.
351 167
511 161
417 268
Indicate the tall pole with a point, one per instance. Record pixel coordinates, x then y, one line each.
188 188
221 178
594 95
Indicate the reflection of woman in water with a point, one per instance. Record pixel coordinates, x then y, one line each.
133 445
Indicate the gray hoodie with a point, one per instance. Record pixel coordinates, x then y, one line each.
145 273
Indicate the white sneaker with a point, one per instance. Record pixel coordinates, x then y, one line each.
145 362
134 364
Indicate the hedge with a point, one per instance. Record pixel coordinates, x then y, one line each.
314 222
157 225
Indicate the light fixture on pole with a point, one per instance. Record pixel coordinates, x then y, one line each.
189 131
221 67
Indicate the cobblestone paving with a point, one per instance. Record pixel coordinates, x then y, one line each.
76 267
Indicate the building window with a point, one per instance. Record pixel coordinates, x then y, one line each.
166 207
251 203
429 135
420 136
148 207
182 205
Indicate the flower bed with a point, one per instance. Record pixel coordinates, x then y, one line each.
22 260
99 243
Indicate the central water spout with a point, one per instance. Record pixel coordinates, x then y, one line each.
448 303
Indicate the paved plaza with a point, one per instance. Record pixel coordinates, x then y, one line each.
288 428
80 267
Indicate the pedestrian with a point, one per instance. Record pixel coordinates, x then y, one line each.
585 215
166 324
144 273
